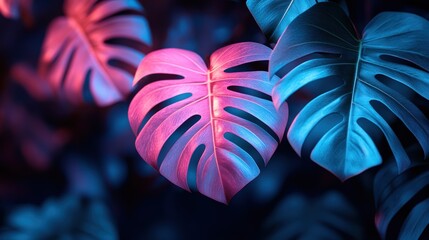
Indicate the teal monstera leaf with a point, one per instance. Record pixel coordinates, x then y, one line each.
363 86
273 16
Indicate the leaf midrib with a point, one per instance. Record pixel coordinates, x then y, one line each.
352 102
281 19
213 130
85 39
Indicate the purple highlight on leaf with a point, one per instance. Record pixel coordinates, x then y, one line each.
80 48
174 128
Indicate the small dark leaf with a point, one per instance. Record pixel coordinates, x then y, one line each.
327 217
402 202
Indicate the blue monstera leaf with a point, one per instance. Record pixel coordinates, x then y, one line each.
359 86
329 216
273 16
402 202
70 217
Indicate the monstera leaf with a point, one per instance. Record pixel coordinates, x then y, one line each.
92 53
361 86
211 128
70 217
329 216
273 16
402 202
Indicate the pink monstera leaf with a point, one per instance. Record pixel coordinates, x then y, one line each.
207 129
92 53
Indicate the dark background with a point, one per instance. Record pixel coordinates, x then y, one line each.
49 149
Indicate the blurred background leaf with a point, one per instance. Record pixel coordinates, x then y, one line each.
91 54
69 217
329 216
402 202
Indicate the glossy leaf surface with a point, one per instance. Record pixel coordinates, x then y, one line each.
402 202
92 53
273 16
207 128
361 86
